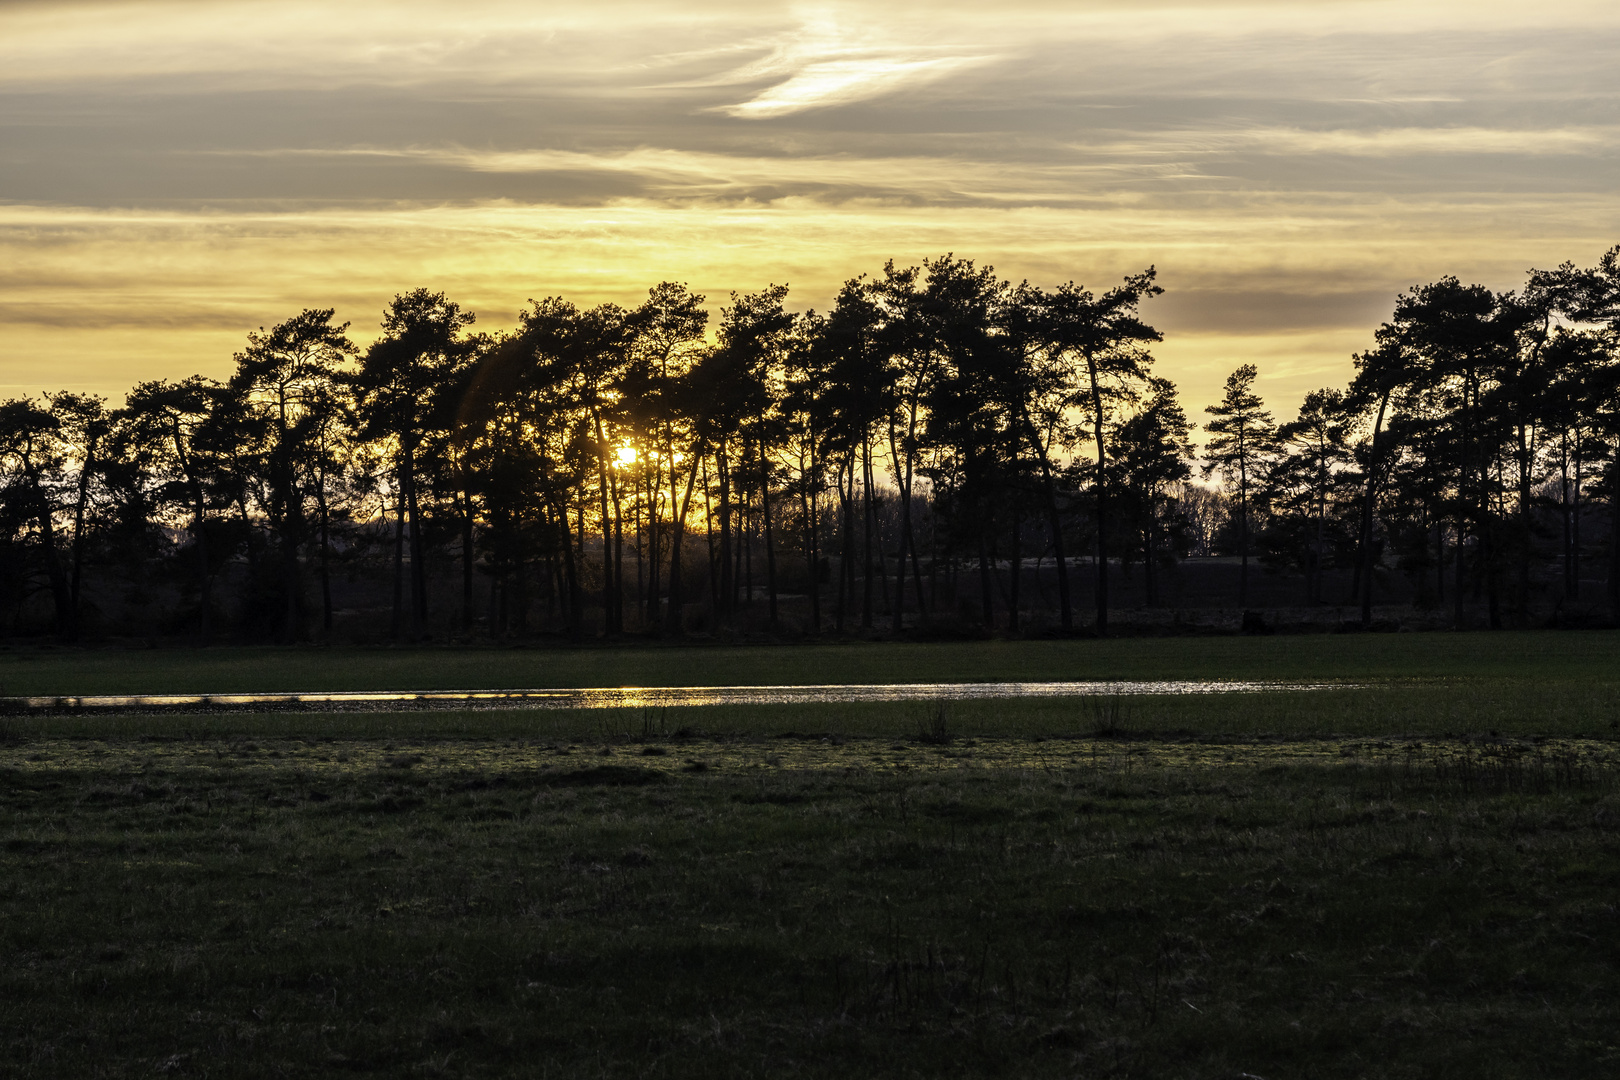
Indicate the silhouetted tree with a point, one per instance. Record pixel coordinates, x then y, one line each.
1243 439
33 468
1105 339
1465 342
400 404
170 425
950 412
1305 480
669 329
1381 374
82 427
1152 454
287 377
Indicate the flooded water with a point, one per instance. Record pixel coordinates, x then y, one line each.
641 697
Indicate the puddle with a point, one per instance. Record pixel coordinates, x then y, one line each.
641 697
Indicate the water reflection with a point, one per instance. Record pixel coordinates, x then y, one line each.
630 697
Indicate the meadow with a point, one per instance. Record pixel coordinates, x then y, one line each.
1410 875
1543 657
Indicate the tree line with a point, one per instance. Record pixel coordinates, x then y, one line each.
938 431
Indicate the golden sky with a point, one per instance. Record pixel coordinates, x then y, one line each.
175 174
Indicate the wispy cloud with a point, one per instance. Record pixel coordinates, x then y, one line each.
841 82
111 296
831 58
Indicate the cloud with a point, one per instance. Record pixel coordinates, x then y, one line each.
100 298
840 82
393 42
173 173
1388 142
829 58
1259 309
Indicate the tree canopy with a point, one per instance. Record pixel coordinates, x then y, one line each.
940 449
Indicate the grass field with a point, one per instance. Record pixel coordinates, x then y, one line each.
1545 657
700 907
1358 882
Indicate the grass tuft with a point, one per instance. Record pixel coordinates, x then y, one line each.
934 726
1107 715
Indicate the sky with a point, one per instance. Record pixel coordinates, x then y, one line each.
176 174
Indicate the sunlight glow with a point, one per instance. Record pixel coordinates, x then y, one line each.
838 82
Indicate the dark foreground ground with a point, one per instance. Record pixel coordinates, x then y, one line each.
230 904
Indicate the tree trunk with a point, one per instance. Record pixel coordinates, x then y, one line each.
1363 583
903 479
678 510
708 539
467 554
199 530
1243 530
1614 537
517 608
617 611
916 574
1492 539
575 614
985 600
1054 523
846 558
1459 580
325 560
770 538
1149 586
745 533
577 571
933 566
1564 522
497 606
419 604
1318 545
655 495
291 586
76 572
1522 590
1015 567
199 524
1439 563
1575 525
61 598
879 558
609 585
812 549
1102 499
247 534
398 627
641 550
866 535
724 591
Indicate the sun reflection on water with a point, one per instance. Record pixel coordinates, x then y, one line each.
637 697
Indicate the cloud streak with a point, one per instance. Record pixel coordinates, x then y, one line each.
827 83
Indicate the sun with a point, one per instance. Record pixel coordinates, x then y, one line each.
624 455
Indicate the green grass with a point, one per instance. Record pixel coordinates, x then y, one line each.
1546 657
321 905
1415 877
